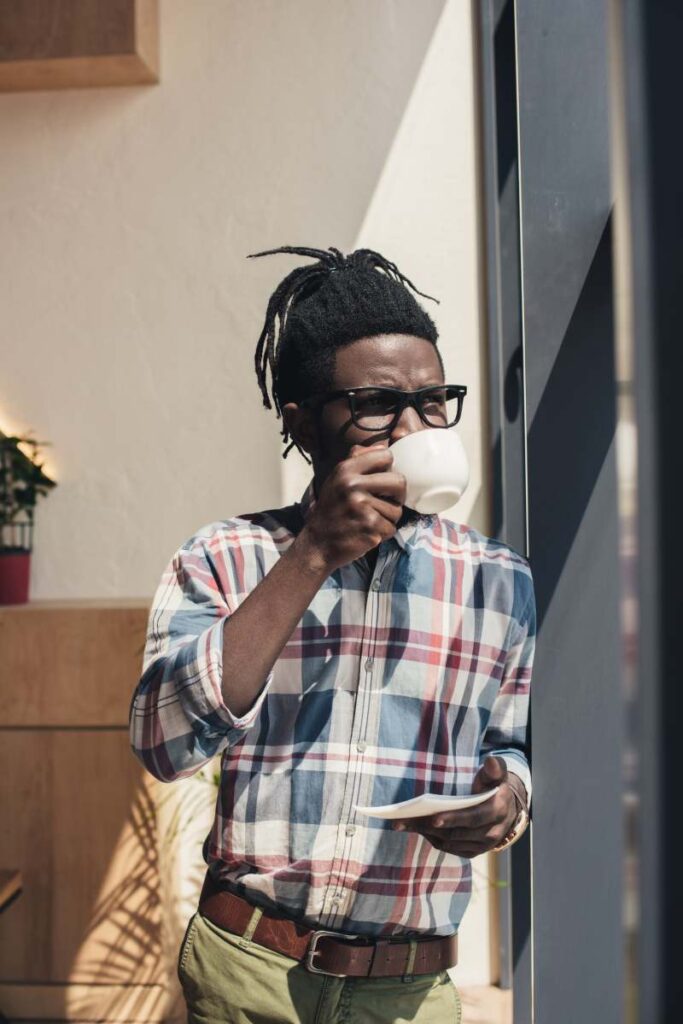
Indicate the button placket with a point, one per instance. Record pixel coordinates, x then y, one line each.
361 717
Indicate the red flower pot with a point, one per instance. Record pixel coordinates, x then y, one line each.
15 567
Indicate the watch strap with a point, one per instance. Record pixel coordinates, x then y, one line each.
519 826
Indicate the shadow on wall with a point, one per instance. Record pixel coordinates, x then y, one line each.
125 967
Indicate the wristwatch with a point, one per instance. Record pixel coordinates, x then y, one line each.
519 826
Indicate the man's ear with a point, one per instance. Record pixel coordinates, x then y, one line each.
301 426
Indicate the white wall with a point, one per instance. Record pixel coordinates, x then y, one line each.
130 313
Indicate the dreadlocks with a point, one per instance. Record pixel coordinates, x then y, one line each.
322 306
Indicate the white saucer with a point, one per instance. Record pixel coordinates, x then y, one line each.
428 803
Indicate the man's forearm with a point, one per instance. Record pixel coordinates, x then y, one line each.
256 633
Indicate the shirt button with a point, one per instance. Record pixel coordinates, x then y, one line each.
361 746
350 830
369 664
336 900
376 584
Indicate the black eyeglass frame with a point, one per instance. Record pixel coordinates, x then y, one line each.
404 398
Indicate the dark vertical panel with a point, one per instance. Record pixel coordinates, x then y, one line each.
501 166
576 709
497 77
651 60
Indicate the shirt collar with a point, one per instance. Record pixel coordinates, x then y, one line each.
405 535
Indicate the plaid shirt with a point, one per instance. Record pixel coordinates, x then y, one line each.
397 681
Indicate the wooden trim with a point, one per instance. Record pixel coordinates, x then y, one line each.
77 604
146 1004
137 66
75 73
147 34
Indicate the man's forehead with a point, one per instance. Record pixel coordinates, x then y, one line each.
388 360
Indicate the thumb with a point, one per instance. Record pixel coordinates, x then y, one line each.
360 449
492 773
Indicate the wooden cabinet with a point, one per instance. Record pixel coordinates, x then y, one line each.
82 942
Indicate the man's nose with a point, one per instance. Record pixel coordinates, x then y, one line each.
408 422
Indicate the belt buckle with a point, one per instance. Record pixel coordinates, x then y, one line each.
312 950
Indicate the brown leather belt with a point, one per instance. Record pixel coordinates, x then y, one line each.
322 951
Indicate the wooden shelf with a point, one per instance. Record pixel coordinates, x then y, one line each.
78 603
68 44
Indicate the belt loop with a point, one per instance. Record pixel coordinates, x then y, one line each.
407 974
247 935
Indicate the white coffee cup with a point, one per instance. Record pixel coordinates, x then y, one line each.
434 463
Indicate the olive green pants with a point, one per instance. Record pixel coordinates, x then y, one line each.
228 979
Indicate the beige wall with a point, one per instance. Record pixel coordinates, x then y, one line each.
130 313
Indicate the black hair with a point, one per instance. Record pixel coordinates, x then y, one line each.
323 306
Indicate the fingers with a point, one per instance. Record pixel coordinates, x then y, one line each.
465 850
484 816
450 832
360 449
369 470
368 460
388 509
466 835
391 484
460 842
469 845
383 493
491 813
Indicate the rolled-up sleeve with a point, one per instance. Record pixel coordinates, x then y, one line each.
178 720
507 728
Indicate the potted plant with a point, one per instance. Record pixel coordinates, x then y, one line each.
21 481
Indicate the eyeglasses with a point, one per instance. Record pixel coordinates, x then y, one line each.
379 408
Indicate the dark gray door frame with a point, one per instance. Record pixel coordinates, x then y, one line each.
548 203
500 168
646 39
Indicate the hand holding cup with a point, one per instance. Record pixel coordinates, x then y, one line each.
358 507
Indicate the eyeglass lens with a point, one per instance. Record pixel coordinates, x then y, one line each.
376 410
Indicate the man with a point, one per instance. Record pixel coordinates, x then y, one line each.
341 651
